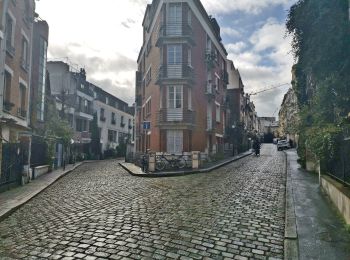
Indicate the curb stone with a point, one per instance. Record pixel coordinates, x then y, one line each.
291 251
183 173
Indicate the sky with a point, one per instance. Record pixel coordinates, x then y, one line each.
105 37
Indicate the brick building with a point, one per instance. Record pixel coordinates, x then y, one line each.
181 80
15 82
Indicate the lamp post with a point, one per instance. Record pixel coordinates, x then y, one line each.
233 139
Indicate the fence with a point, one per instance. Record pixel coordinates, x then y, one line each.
339 167
39 152
12 165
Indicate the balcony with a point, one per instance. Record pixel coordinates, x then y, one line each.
122 125
24 64
82 137
224 76
114 122
10 49
175 74
170 33
22 113
210 90
7 106
102 119
211 125
179 119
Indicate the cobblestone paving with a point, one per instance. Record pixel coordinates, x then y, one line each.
99 211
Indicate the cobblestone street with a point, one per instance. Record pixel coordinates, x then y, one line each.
99 211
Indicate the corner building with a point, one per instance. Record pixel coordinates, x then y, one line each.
181 80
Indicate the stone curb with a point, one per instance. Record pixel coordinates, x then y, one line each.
291 251
7 213
183 173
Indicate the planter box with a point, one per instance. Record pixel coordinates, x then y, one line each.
40 170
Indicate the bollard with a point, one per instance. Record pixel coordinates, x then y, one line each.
195 160
152 162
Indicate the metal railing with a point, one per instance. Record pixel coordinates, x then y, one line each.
181 117
173 29
175 71
339 166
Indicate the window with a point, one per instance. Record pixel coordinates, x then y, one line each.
102 114
189 57
112 136
208 44
81 125
22 96
24 57
148 108
174 54
174 141
189 16
7 91
113 121
9 31
148 76
175 13
189 98
217 112
122 124
42 79
217 82
175 97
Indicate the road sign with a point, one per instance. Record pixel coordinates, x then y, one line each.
146 125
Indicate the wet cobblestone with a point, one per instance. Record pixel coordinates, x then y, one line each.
101 212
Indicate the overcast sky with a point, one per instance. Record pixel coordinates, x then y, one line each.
105 37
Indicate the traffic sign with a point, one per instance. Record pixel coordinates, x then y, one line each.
146 125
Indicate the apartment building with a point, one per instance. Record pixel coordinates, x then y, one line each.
15 64
115 120
74 97
181 80
38 93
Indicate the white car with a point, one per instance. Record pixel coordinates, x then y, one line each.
282 144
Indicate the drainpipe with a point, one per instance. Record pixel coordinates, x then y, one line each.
2 67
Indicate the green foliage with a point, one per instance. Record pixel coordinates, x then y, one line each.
56 127
321 47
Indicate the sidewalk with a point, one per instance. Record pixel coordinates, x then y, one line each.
12 199
320 231
136 171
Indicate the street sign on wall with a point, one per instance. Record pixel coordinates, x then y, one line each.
146 125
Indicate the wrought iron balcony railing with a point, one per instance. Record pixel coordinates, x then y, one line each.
210 90
172 30
22 113
171 117
181 71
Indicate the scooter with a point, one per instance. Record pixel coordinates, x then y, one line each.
257 151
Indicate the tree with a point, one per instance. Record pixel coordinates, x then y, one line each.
321 48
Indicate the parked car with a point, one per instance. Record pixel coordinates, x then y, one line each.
282 144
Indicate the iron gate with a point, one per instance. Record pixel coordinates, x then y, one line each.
12 165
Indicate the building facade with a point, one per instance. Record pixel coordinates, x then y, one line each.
74 98
16 35
16 55
181 80
115 120
38 93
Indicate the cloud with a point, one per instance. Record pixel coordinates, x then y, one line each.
230 32
264 60
235 47
251 7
